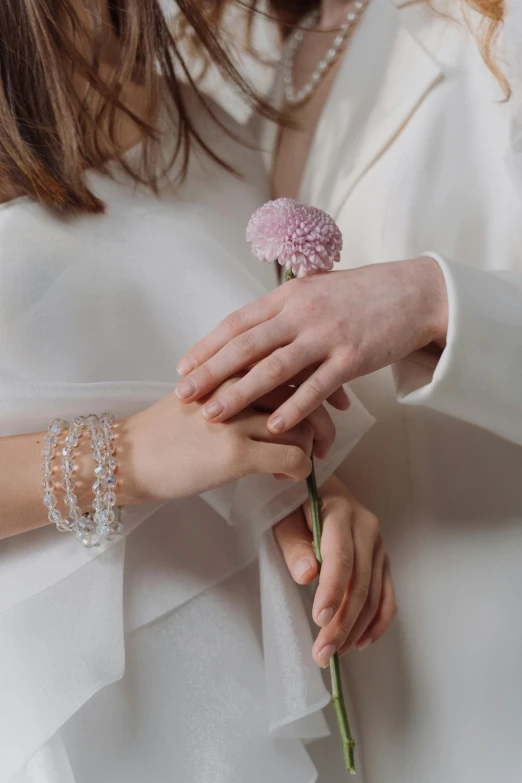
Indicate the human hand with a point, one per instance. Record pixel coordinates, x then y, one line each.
170 451
355 603
325 329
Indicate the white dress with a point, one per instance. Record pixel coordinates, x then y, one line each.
415 153
162 657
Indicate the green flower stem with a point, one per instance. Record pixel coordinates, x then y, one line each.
316 505
347 740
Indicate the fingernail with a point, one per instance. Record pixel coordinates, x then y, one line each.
324 655
324 617
185 389
186 365
212 410
277 424
363 643
301 566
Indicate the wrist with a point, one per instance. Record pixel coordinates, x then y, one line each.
433 301
126 438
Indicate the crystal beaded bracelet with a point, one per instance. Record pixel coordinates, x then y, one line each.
104 521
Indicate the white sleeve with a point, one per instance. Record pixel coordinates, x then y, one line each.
478 378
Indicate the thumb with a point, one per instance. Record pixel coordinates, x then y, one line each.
295 540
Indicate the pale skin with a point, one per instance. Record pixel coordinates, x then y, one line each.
355 587
325 330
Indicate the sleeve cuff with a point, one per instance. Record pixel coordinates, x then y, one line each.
478 377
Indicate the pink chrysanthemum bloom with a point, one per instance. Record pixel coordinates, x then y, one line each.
303 239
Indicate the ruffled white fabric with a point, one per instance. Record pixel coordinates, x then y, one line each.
148 659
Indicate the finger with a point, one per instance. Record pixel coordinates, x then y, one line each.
320 419
237 355
334 635
270 373
337 551
324 431
290 461
371 606
339 399
306 398
385 614
295 541
235 324
301 436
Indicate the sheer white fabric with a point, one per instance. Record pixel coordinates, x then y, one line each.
159 657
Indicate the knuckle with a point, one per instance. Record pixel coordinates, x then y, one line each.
243 345
343 562
345 628
315 389
274 367
294 458
205 377
349 360
372 525
234 322
359 592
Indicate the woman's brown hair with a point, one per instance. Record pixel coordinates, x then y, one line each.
50 134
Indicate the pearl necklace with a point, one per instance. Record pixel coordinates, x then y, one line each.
296 98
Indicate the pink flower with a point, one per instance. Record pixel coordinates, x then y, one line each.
301 238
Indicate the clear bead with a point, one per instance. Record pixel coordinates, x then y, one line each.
107 417
92 421
48 452
67 465
81 535
75 513
58 426
54 516
86 523
99 503
50 500
98 487
104 531
111 480
68 484
62 526
100 471
107 517
67 451
112 464
47 485
72 440
119 529
110 499
79 421
70 499
46 467
50 440
100 455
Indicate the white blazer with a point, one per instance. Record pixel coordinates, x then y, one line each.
416 153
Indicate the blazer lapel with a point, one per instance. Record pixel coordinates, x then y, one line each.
385 74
